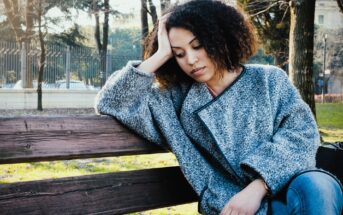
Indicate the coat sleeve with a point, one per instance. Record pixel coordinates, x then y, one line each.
295 139
126 96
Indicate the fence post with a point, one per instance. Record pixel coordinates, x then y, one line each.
23 60
108 63
68 67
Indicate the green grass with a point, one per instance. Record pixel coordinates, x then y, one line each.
330 121
56 169
329 118
330 115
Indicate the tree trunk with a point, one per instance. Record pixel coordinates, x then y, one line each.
340 5
42 57
153 12
105 41
97 36
301 49
102 43
13 15
12 10
28 37
144 22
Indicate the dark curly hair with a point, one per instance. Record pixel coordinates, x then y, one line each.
226 35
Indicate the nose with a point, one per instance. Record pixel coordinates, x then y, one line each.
192 57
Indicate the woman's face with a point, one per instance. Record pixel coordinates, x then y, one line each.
191 56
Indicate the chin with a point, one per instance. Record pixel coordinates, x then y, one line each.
202 79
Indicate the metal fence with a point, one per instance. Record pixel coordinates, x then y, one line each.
81 65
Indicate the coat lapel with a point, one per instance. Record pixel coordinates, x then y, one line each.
203 126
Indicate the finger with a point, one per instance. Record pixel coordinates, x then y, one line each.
233 212
163 20
226 211
229 211
165 16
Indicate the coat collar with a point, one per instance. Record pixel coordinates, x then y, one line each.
199 97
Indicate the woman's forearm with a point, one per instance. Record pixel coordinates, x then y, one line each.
154 62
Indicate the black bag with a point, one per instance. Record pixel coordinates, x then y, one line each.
330 158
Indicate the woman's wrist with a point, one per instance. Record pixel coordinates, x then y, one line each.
260 186
164 56
154 62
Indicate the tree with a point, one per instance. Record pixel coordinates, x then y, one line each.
101 37
22 26
101 45
340 5
42 55
144 18
22 16
126 46
271 20
70 37
6 32
301 49
144 21
152 12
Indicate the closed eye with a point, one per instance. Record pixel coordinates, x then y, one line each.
179 55
197 47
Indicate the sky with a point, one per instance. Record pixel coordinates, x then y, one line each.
82 18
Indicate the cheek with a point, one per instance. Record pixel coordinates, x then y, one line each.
181 63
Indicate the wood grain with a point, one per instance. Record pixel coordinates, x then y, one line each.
27 139
114 193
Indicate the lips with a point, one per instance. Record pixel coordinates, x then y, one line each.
197 70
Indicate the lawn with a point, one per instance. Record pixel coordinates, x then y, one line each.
330 121
329 118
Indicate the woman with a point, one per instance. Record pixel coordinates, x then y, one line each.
240 132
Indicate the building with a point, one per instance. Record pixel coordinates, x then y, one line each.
328 15
329 34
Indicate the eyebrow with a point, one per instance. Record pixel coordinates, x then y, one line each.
188 43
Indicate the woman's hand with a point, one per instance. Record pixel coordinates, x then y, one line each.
164 52
162 35
247 201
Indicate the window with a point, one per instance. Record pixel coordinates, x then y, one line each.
321 19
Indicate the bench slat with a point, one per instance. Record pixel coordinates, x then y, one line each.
113 193
27 139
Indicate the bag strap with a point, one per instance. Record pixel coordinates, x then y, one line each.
336 145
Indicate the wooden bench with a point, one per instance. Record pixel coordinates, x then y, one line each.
28 139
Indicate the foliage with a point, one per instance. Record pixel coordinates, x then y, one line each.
261 58
71 37
271 20
125 46
6 32
96 7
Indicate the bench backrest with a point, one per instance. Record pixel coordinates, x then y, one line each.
28 139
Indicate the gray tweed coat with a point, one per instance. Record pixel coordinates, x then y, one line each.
258 127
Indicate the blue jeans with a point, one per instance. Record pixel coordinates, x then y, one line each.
310 193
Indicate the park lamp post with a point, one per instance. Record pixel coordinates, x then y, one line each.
324 67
